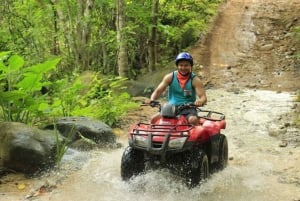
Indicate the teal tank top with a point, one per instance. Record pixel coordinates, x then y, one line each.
179 96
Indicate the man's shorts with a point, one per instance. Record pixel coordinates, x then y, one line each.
188 112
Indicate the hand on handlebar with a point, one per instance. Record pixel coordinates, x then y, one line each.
199 103
152 103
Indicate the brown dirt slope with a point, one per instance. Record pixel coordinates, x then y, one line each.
251 44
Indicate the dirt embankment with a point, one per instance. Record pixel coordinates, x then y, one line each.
252 44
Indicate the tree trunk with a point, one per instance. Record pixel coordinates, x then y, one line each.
83 32
153 37
122 56
55 48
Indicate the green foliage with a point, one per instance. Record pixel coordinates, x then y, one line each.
62 144
298 36
84 36
21 99
106 101
183 22
67 97
298 95
100 99
20 96
112 108
29 28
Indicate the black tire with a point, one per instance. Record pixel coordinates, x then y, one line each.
132 163
199 169
223 153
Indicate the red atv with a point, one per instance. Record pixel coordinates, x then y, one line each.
192 152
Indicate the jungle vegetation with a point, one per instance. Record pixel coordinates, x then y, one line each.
66 58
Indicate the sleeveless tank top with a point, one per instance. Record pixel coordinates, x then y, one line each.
179 96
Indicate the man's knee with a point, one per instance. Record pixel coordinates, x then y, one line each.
193 120
155 117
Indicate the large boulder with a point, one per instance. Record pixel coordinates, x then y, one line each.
26 149
74 128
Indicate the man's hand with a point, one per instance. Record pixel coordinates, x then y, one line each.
199 103
147 101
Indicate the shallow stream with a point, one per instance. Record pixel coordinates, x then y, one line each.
259 169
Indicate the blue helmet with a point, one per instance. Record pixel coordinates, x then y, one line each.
184 56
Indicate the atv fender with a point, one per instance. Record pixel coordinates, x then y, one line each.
213 127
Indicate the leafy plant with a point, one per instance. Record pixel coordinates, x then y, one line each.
21 99
20 95
101 99
106 101
67 98
112 108
62 145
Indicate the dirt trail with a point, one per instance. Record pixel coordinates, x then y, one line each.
221 44
251 44
249 48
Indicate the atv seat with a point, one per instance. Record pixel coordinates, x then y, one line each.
168 111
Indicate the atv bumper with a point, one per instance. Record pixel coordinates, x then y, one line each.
167 147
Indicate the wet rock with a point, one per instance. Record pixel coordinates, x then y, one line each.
76 128
26 149
251 85
283 144
275 130
234 90
267 47
83 145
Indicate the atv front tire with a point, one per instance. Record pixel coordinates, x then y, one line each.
132 163
199 169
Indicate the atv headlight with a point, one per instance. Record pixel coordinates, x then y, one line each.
140 141
177 143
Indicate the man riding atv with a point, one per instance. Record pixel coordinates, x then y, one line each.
182 137
184 87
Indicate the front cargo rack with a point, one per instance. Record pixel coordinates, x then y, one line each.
182 130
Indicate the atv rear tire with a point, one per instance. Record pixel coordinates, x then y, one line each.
223 153
199 169
132 163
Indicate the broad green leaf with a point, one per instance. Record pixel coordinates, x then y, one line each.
11 95
44 67
31 83
3 55
15 63
44 107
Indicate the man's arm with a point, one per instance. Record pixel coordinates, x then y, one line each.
162 86
200 91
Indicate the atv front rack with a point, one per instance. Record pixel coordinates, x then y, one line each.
182 130
159 139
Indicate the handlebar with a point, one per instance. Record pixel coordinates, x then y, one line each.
186 106
152 104
206 114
